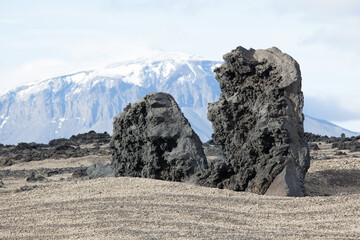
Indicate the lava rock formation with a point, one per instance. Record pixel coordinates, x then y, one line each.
258 123
153 139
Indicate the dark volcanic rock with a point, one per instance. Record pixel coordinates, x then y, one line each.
153 139
347 144
80 145
80 172
34 178
6 162
26 188
313 146
91 137
310 137
339 153
59 142
54 172
258 123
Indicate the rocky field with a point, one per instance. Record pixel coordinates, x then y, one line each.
52 197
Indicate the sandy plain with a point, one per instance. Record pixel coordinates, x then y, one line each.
63 207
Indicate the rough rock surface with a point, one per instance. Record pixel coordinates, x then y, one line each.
153 139
347 144
258 123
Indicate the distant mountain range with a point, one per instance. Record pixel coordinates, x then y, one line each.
325 128
88 100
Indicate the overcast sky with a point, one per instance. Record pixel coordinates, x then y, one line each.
40 39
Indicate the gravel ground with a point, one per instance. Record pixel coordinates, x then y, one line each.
63 207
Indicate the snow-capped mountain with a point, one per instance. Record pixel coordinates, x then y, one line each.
88 100
325 128
67 105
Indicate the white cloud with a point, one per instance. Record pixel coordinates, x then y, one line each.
80 55
106 49
350 102
319 10
353 125
9 20
333 108
185 6
342 110
34 71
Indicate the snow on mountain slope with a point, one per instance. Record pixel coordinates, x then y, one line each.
88 100
325 128
67 105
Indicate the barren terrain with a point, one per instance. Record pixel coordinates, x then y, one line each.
61 206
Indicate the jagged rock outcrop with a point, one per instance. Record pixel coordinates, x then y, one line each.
153 139
258 123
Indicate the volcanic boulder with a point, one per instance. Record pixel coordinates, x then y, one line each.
258 123
153 139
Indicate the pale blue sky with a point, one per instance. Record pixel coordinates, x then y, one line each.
40 39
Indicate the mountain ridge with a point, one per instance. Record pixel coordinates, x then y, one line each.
88 100
323 127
